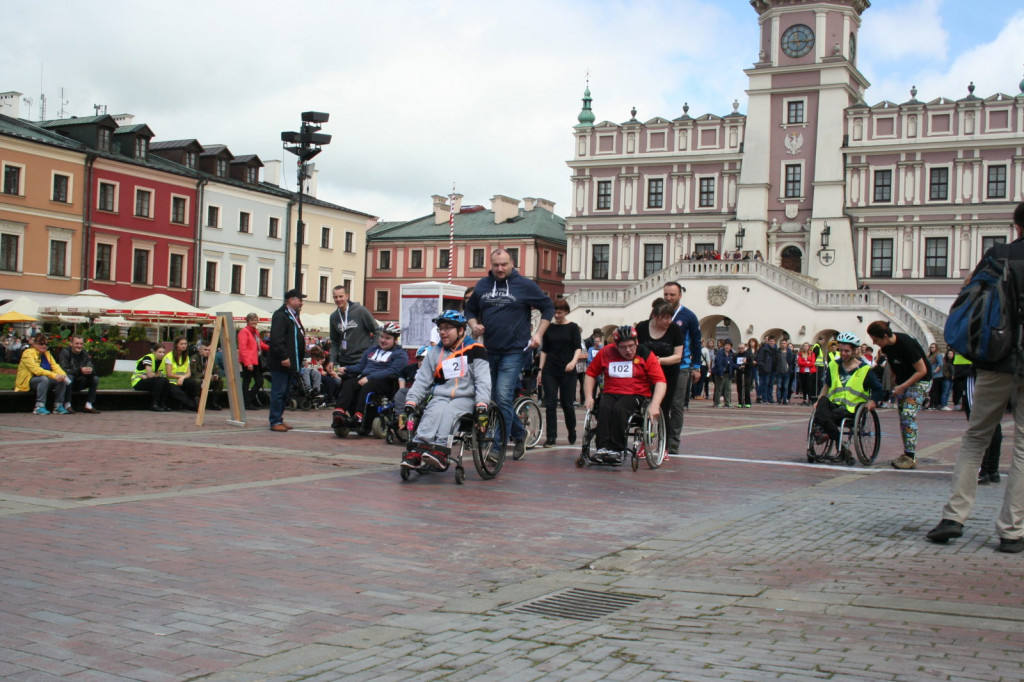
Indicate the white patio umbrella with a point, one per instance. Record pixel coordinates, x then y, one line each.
23 305
160 309
318 322
87 303
239 310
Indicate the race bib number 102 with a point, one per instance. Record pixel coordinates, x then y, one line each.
620 370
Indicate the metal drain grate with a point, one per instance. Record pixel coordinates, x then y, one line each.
580 604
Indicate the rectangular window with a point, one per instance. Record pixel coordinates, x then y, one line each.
244 220
415 259
384 260
707 193
12 180
795 112
881 257
938 184
213 216
61 184
325 286
58 258
210 284
382 301
347 283
604 194
178 210
140 266
996 182
652 258
936 250
560 260
141 146
599 262
9 252
444 258
794 171
142 202
103 139
514 256
264 282
106 198
655 193
104 261
350 242
190 159
222 168
988 242
325 237
478 258
883 185
236 279
274 228
176 271
251 175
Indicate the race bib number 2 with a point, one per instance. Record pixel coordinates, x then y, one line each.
620 370
454 368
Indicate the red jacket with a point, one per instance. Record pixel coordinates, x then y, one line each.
806 364
249 346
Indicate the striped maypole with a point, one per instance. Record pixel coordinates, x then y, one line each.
451 234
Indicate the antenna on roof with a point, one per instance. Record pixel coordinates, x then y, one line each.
100 109
63 103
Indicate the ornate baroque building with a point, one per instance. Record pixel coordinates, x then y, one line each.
860 212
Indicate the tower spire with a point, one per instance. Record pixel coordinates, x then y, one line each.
586 118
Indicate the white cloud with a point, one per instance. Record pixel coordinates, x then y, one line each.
896 31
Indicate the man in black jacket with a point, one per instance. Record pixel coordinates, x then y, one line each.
766 359
995 385
287 350
78 364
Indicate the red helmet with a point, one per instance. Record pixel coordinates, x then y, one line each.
624 333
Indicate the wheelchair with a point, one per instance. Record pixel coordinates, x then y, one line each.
487 447
645 439
862 428
379 415
528 410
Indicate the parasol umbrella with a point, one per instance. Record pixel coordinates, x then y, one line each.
159 309
316 322
15 316
87 303
238 310
23 305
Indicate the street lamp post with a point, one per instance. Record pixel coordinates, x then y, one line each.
305 144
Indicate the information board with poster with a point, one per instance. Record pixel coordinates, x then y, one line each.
421 302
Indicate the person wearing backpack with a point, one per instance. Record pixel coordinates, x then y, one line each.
995 384
909 365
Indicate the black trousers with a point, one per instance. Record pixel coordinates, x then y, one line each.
559 388
612 418
352 396
157 387
744 384
252 382
829 416
87 382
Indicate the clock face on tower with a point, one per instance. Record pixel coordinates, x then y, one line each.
797 40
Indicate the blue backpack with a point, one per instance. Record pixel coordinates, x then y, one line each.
984 322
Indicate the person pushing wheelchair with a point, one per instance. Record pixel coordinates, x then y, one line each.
848 383
631 375
456 376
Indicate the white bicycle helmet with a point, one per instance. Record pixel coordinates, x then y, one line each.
391 329
848 337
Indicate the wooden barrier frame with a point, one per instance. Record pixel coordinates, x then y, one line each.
224 326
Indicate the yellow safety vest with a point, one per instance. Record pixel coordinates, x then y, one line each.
140 368
819 357
176 368
852 393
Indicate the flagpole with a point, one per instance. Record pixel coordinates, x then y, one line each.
451 234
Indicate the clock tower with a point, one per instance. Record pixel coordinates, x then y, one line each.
791 191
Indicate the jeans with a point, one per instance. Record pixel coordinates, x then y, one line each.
41 385
765 384
280 381
88 382
947 386
506 369
784 385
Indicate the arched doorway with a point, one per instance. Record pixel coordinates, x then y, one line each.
778 333
792 258
719 327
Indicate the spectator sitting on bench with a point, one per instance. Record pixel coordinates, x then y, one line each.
38 371
149 376
77 362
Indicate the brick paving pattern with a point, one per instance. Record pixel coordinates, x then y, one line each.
139 547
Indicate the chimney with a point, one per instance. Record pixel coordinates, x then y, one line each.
124 119
440 209
309 186
548 206
458 202
504 208
272 173
10 104
529 203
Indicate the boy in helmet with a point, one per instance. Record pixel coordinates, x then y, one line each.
631 375
457 376
847 383
377 372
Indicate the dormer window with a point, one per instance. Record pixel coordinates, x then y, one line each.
252 175
141 146
190 160
103 139
222 168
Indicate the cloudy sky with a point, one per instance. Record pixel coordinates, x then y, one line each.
424 93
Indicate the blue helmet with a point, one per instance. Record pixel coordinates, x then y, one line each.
451 317
422 351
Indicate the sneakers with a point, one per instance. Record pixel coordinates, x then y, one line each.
60 409
436 459
518 449
550 442
1011 546
412 460
40 410
946 408
904 462
946 531
339 418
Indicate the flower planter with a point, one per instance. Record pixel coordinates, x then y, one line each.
103 367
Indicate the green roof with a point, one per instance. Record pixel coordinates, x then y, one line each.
30 131
538 223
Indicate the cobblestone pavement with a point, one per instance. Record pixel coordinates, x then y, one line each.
139 547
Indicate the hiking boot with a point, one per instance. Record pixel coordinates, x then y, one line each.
945 531
904 462
1011 546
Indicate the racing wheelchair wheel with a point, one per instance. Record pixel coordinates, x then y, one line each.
532 418
489 446
653 439
867 435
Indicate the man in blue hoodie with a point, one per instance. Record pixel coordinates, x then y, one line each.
499 315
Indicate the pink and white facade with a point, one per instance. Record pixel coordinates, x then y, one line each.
862 210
